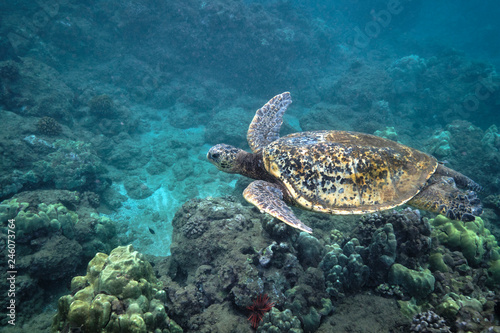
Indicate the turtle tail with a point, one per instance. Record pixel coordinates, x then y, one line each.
445 198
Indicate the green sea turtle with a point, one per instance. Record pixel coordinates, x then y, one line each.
339 172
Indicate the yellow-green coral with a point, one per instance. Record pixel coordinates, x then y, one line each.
54 217
119 294
475 241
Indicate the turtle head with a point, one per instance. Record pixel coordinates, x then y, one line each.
224 157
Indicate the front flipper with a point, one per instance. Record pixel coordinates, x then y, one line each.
268 198
266 124
445 198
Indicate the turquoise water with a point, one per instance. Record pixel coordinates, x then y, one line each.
108 110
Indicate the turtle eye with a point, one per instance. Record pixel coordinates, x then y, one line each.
215 155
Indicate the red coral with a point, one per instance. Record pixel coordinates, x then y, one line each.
260 306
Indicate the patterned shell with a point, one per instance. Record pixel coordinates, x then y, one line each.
341 172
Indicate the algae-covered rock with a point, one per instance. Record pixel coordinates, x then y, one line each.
417 283
119 294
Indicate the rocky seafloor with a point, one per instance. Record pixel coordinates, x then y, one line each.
387 272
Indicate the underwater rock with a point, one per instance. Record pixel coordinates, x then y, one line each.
405 73
325 116
48 126
215 260
52 242
35 89
56 259
136 189
127 154
307 299
119 292
229 126
36 219
365 312
411 231
184 116
413 235
491 138
102 106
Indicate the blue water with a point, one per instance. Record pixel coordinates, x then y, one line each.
111 106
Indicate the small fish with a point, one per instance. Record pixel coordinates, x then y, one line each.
151 231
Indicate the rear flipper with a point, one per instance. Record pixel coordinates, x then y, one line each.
443 197
268 198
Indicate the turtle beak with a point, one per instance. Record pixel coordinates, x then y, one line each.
212 157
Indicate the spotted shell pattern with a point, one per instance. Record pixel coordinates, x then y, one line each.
340 172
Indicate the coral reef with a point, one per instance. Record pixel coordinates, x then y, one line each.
471 238
34 88
119 293
48 126
406 73
277 321
9 70
439 144
389 133
52 241
344 269
243 264
429 322
51 218
73 165
417 283
102 106
229 126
